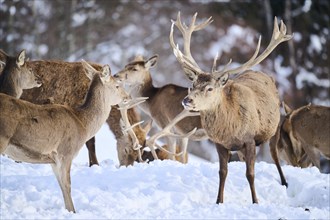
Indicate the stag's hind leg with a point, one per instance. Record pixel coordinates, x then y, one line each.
224 155
61 169
250 158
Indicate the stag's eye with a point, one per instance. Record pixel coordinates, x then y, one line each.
210 89
134 69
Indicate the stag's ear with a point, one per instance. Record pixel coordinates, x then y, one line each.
287 109
151 62
20 60
89 70
222 80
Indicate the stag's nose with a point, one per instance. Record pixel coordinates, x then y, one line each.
186 101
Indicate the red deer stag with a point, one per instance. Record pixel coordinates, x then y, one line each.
65 83
53 134
15 76
164 103
301 137
237 113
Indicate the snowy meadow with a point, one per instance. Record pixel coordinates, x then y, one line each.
160 190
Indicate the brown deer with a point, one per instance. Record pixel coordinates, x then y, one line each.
65 83
15 76
237 113
53 134
301 137
164 103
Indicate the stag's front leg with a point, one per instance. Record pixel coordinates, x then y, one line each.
224 155
61 170
250 158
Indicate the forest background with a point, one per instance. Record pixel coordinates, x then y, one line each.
113 32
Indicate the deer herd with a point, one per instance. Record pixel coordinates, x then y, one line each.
50 108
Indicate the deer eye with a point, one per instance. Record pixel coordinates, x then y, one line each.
134 69
209 89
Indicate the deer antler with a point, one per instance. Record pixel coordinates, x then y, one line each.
151 142
187 61
123 107
279 35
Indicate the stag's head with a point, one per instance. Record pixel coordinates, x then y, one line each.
136 72
208 85
15 70
117 91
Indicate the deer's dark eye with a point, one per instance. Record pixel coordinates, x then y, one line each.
134 69
210 89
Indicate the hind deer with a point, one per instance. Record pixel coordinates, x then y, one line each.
164 103
237 113
15 76
301 137
66 83
53 134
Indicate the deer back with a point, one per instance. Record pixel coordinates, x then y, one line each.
309 125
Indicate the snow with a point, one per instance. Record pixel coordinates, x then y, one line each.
160 190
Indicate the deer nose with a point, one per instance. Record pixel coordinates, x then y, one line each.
186 101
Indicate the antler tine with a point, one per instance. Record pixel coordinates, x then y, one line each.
168 152
214 67
279 35
123 107
186 34
167 130
127 104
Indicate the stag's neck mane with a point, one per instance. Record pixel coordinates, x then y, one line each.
224 117
95 105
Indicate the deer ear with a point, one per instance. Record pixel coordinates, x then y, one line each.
89 70
223 79
151 62
21 58
287 109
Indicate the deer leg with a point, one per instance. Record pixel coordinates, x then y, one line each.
224 155
274 141
312 154
250 158
183 144
171 147
61 170
90 144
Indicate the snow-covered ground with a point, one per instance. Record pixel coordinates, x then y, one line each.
160 190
